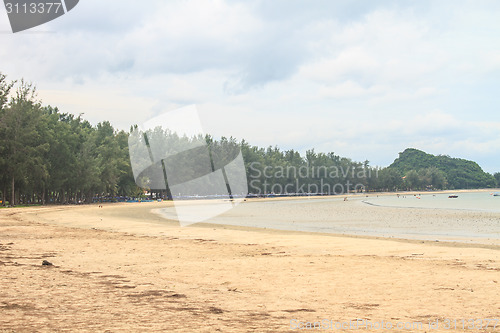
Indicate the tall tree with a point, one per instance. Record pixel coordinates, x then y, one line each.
22 144
5 88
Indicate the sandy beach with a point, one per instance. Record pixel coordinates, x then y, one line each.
123 268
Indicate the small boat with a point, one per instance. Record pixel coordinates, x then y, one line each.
496 194
453 196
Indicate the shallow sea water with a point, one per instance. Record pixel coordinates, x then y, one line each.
472 217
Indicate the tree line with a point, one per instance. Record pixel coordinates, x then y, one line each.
47 156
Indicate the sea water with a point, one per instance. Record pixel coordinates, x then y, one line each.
472 217
471 201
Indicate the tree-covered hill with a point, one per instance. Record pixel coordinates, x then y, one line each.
459 173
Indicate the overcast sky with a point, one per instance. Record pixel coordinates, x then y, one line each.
364 79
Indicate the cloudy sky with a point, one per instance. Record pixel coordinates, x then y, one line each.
364 79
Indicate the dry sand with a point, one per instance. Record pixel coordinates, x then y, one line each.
122 268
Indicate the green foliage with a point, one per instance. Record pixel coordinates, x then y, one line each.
440 171
48 156
23 145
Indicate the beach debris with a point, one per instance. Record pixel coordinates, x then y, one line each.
299 310
214 309
46 263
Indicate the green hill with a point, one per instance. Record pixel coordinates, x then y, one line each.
459 173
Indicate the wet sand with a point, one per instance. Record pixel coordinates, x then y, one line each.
122 268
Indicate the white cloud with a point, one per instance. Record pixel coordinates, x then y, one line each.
350 89
93 103
350 62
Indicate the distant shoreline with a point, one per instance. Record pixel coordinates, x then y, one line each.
143 214
272 197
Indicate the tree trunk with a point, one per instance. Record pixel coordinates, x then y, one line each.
18 198
169 194
13 197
